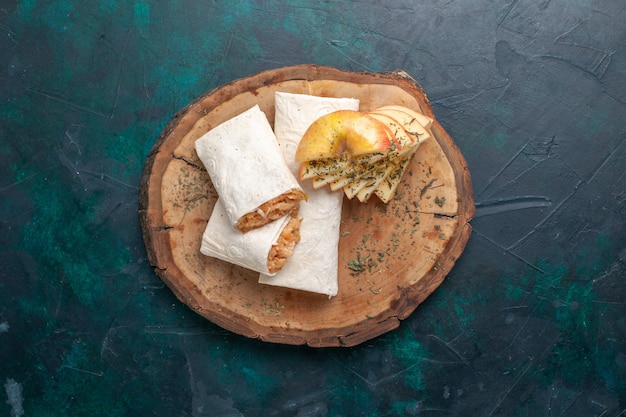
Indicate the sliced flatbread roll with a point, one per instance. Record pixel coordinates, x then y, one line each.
248 170
314 264
264 249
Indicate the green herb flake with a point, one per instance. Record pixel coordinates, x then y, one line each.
360 264
355 265
272 311
426 187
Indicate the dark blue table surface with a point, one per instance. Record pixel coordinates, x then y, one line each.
530 322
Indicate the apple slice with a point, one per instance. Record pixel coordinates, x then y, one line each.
314 168
351 167
405 141
366 173
366 192
365 186
351 171
387 188
424 120
330 166
344 131
352 190
335 178
411 124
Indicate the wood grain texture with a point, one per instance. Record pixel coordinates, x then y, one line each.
391 256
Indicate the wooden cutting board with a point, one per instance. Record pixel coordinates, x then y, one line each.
391 256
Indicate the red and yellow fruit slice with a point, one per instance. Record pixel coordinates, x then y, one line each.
344 131
362 153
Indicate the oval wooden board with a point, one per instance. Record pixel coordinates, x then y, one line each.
391 256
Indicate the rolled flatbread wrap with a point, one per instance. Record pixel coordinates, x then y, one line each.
264 249
313 266
248 170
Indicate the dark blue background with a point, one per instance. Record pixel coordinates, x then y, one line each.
530 322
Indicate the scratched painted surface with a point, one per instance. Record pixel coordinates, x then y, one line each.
531 321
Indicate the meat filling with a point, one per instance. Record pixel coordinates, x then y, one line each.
271 210
283 249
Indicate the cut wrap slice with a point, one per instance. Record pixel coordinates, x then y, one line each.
265 249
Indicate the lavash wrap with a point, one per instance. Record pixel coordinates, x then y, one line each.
245 164
313 266
249 250
247 168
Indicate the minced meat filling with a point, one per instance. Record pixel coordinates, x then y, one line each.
272 210
283 249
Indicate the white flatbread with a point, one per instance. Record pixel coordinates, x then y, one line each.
313 266
249 250
244 162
